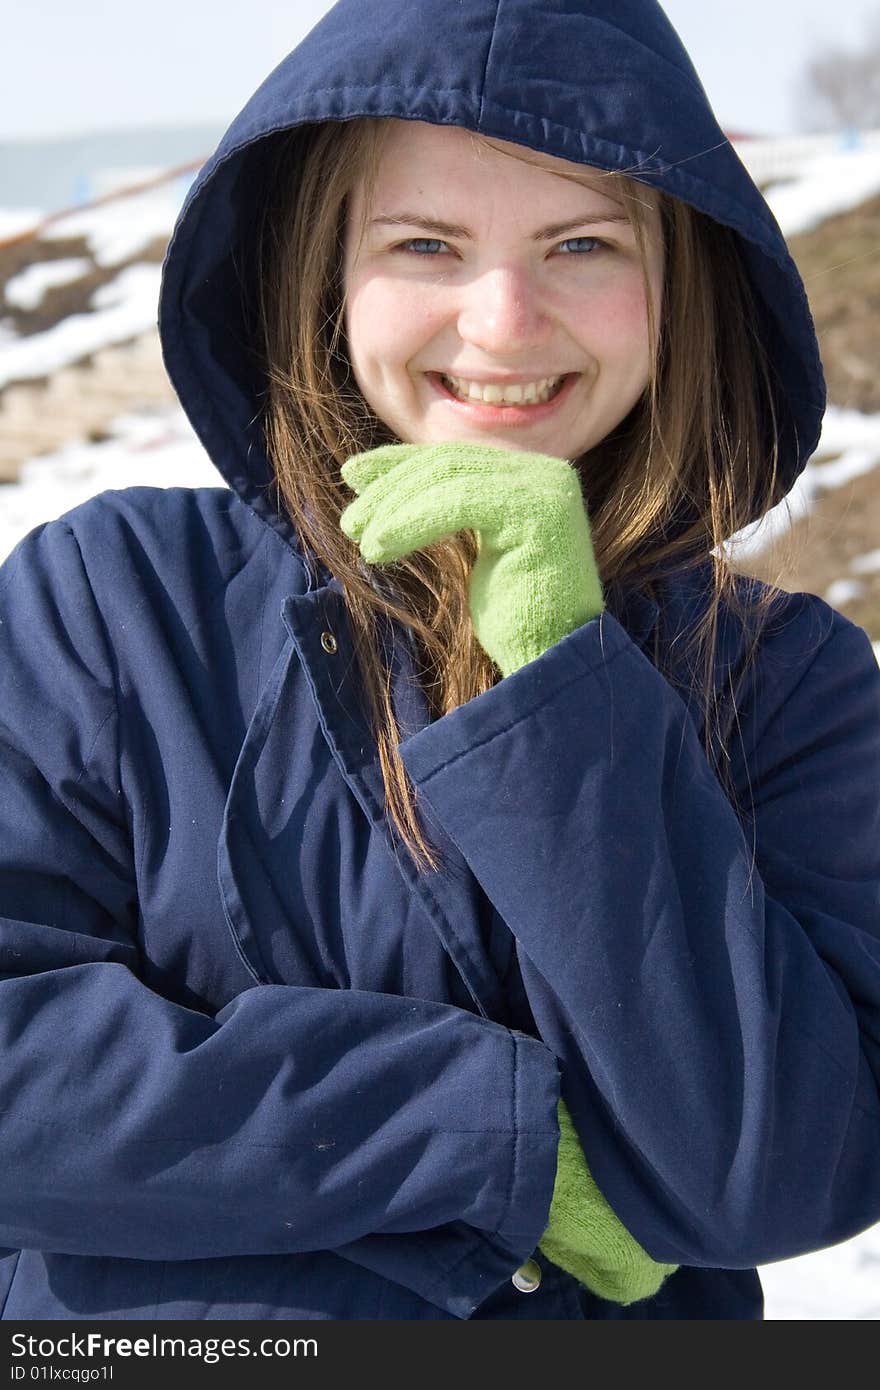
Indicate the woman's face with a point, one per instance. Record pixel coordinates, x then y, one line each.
493 301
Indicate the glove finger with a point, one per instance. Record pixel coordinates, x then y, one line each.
411 512
361 470
356 517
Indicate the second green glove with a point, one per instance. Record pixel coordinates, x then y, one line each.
586 1238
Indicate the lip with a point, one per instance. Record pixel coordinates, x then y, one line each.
500 379
481 413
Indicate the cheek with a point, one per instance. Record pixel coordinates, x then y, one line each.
366 324
386 323
621 320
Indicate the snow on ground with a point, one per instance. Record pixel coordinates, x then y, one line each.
147 450
158 448
849 446
839 1284
826 186
15 220
26 290
125 308
117 230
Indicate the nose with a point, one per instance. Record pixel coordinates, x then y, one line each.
502 313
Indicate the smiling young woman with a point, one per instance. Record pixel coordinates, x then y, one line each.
432 885
664 446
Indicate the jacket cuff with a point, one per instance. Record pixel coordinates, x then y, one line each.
518 696
486 1259
457 1267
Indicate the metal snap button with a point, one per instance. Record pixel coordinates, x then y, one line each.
328 642
528 1277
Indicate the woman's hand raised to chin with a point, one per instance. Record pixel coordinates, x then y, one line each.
535 578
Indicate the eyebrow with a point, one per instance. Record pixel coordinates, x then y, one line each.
455 229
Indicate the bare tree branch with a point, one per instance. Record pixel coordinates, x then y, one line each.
840 87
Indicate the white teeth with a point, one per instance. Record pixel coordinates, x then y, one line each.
492 393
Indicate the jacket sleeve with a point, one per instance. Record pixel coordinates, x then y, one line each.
133 1126
710 983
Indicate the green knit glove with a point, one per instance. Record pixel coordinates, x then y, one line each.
535 578
585 1237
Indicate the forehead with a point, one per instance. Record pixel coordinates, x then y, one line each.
419 158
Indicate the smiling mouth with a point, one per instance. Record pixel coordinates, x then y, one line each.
525 393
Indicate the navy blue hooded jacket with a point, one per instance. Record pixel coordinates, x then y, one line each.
253 1065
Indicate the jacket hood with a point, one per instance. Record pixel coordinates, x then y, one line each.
600 82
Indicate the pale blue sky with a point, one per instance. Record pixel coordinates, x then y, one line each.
96 65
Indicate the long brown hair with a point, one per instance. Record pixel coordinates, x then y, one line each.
694 461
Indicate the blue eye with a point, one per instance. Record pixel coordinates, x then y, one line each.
592 243
418 244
